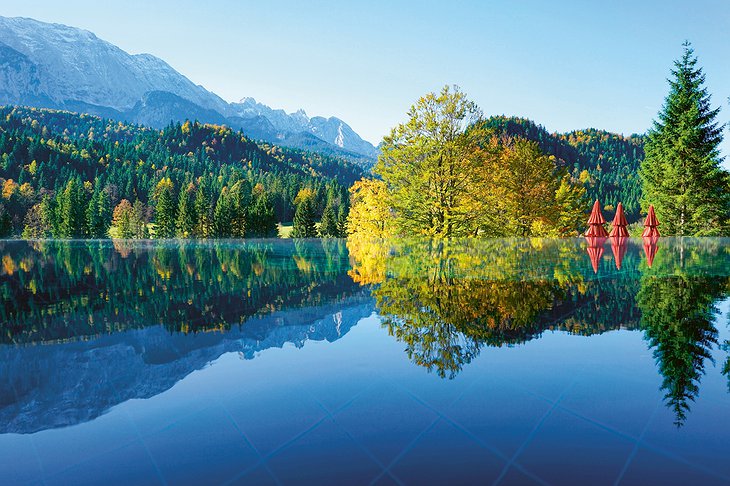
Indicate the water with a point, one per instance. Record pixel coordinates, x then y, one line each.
332 362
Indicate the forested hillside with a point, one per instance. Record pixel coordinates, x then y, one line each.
54 162
606 162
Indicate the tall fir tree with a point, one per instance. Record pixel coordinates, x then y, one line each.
99 212
165 210
261 219
304 224
73 210
203 210
185 223
328 227
681 173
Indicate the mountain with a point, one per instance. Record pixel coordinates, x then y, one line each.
332 130
608 163
56 66
76 382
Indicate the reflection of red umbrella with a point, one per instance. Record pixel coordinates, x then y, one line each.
650 224
619 247
620 223
595 250
596 222
650 248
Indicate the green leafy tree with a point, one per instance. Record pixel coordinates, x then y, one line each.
681 173
435 167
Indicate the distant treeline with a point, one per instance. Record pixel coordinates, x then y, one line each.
69 175
607 163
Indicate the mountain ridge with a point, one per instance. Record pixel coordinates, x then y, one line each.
49 65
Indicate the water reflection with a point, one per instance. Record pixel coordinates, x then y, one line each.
128 320
446 301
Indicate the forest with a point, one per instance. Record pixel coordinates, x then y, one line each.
65 175
606 163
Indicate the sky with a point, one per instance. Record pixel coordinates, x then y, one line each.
564 64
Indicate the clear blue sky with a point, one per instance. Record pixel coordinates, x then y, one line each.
565 64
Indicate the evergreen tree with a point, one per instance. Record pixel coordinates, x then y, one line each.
98 212
342 213
261 219
681 173
165 217
223 216
202 204
185 225
304 226
240 200
6 223
328 226
73 210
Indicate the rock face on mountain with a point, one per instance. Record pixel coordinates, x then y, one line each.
56 66
68 383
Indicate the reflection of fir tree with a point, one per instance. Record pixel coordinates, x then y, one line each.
53 290
677 317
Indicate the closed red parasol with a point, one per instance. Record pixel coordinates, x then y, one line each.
619 223
595 250
596 222
619 247
650 225
650 248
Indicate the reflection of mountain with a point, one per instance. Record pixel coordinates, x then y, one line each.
69 383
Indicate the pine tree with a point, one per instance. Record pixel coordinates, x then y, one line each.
223 216
98 212
185 224
328 226
204 223
165 217
73 210
681 174
240 200
304 226
261 219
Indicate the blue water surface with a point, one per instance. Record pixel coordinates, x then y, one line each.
333 362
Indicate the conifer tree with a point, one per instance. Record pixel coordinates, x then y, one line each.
262 220
223 215
98 212
328 226
304 225
203 206
165 217
681 173
185 224
73 210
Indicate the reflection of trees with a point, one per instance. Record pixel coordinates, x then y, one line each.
678 311
61 290
447 299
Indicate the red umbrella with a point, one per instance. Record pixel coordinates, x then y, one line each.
650 224
595 250
650 248
596 222
620 223
619 247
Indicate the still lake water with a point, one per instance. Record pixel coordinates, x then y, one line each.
333 362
